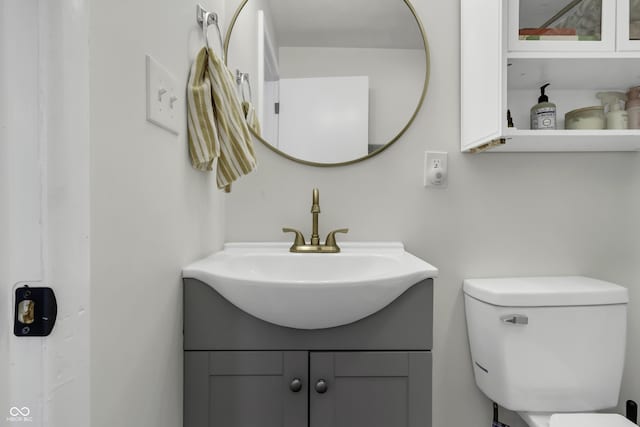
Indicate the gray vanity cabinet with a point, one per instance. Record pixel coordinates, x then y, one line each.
246 389
244 372
297 388
370 389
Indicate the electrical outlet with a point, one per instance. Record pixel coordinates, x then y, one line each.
435 169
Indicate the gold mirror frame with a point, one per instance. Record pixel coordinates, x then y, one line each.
379 150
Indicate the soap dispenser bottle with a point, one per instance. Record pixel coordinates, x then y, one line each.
543 114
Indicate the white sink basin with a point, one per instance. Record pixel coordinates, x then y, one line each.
310 291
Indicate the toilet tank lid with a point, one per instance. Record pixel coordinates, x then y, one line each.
589 420
545 291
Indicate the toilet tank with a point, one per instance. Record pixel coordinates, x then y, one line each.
547 344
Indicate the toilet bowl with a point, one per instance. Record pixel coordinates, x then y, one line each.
549 348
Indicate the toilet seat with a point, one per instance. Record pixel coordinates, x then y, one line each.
536 419
542 419
589 420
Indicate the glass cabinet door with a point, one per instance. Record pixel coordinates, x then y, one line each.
562 25
628 25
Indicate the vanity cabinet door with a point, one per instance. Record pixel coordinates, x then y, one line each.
370 389
246 389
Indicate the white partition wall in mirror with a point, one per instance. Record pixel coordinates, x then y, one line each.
336 123
333 82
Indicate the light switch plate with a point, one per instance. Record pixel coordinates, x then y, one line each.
163 100
435 169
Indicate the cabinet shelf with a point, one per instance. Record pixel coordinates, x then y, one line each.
572 55
569 73
524 141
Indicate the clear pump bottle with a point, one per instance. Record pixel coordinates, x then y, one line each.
543 114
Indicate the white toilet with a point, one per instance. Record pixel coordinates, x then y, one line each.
550 348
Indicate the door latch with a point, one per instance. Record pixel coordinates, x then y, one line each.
35 311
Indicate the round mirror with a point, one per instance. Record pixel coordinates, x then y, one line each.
328 82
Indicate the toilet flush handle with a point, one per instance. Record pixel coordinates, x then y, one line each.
515 319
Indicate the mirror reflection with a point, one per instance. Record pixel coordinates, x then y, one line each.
329 81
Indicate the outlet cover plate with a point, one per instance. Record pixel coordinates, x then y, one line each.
435 169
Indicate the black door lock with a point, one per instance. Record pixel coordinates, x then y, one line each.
35 311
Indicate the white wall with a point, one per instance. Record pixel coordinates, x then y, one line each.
151 213
5 226
631 381
64 79
396 78
503 214
44 160
4 229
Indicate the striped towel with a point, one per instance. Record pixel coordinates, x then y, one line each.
219 137
251 117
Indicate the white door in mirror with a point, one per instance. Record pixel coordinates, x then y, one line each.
435 169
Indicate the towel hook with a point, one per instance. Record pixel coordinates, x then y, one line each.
244 78
212 19
205 18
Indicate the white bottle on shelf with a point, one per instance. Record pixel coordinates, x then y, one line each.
613 102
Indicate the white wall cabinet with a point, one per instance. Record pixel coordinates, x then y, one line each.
501 71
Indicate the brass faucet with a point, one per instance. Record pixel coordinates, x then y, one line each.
314 246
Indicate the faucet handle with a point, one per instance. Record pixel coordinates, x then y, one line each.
331 237
299 240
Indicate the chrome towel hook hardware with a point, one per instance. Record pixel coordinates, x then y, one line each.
212 19
200 12
242 79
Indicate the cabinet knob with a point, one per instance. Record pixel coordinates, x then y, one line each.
296 385
321 386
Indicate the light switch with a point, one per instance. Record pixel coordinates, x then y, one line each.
163 99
